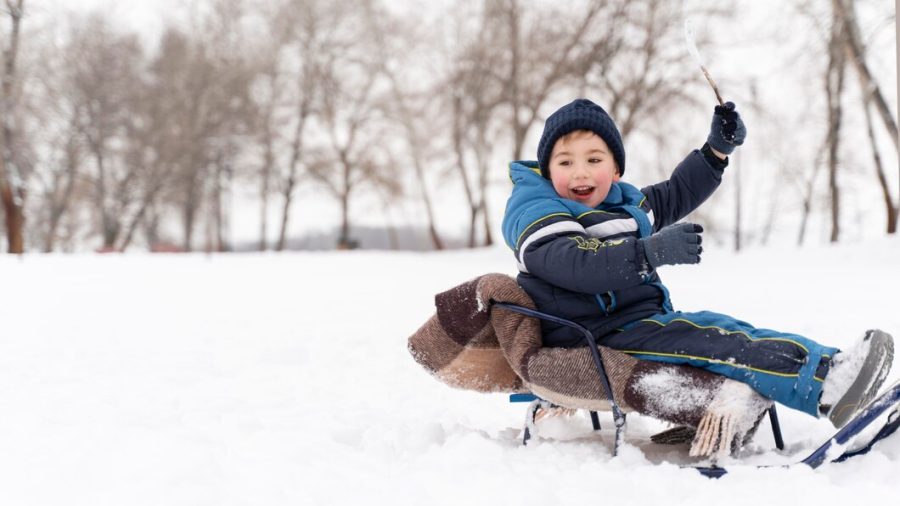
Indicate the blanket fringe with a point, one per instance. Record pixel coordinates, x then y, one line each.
733 413
715 435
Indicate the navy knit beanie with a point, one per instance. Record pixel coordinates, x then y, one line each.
582 114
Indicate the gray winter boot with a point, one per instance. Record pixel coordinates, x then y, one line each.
855 376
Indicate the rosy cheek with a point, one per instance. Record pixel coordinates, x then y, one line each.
559 189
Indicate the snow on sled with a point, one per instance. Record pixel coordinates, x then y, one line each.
485 336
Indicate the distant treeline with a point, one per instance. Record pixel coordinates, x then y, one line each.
107 142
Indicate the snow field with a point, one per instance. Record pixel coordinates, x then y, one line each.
284 379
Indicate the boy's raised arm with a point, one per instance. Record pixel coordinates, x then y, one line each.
700 173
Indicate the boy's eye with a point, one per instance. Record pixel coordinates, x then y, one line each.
595 160
565 163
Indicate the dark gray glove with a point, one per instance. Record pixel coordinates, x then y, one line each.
727 129
675 244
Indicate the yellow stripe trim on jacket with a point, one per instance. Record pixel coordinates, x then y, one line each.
715 361
592 211
726 331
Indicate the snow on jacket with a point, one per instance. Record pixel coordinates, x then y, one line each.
587 265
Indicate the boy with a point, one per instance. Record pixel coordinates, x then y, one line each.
588 246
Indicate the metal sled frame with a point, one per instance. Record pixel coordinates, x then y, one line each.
618 415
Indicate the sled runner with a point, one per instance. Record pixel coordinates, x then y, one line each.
675 435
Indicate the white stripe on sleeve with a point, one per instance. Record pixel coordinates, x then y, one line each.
555 228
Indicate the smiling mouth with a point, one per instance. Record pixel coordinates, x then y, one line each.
582 191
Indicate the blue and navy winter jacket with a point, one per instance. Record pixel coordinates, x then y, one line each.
587 265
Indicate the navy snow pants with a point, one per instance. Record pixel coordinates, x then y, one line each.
786 368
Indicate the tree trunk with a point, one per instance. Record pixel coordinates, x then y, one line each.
222 215
483 161
473 221
514 92
853 45
808 195
136 220
12 191
736 174
188 213
834 90
109 229
288 188
481 166
266 177
147 203
15 220
488 235
344 241
458 129
416 152
879 173
223 218
288 195
58 208
263 210
151 225
436 241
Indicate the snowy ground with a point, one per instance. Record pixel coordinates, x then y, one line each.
264 379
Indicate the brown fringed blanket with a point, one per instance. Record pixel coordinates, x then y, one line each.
468 345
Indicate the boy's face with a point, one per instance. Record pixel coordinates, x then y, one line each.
582 168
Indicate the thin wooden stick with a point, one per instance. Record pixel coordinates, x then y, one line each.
713 84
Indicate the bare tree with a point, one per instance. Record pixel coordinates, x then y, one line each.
59 180
825 35
270 82
50 122
410 112
890 208
306 89
842 35
852 44
348 95
104 77
206 81
154 152
834 88
647 73
477 92
541 55
12 171
350 113
855 52
300 34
